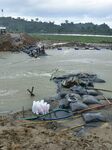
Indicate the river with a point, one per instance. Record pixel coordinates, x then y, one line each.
18 72
77 35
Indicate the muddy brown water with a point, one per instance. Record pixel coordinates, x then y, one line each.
18 72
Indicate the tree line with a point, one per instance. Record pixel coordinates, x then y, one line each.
36 26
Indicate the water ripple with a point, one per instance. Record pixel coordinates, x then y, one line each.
27 75
8 92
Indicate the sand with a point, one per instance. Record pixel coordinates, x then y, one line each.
30 135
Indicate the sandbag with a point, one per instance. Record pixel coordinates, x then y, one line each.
78 106
72 97
98 80
93 92
89 99
63 103
85 83
62 94
93 117
79 90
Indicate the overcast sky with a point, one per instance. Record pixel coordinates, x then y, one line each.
96 11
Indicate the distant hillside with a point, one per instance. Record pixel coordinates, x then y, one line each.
36 26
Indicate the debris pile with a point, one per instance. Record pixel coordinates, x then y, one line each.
34 50
21 42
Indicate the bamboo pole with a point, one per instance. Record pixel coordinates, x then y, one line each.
100 89
106 99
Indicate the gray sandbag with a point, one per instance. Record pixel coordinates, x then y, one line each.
52 98
63 103
93 117
98 80
89 99
78 106
79 90
62 94
86 83
93 92
72 97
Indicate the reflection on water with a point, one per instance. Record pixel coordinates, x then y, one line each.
18 72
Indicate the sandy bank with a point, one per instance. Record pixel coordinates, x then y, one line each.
16 135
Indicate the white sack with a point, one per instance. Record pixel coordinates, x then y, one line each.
40 107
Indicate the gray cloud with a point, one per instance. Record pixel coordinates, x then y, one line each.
72 9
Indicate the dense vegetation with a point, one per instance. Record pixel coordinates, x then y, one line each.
36 26
72 38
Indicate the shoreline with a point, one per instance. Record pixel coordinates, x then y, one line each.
17 42
83 46
18 134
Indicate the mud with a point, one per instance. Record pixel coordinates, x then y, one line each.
22 135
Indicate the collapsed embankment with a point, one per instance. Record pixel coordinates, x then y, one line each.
15 41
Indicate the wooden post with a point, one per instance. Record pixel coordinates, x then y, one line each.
31 91
23 111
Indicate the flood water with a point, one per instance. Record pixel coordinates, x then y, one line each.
18 72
